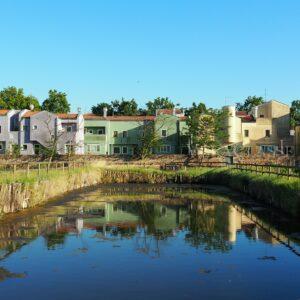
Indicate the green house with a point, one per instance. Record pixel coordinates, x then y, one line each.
121 135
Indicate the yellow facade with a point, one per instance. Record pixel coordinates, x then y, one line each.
297 140
267 131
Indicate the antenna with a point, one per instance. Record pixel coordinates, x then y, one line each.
265 95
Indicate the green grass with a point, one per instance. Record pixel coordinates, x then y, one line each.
33 176
277 191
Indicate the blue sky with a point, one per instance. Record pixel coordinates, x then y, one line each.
214 51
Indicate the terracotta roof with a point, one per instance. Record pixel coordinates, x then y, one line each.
30 113
248 118
3 112
241 113
67 116
118 118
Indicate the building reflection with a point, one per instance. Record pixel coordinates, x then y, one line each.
210 225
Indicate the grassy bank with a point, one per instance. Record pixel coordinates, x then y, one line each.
20 191
279 192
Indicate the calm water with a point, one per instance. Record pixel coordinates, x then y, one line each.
139 242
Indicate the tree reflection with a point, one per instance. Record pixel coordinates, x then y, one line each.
207 226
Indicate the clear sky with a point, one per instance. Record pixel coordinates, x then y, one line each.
213 51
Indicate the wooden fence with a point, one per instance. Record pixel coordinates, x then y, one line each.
278 170
39 167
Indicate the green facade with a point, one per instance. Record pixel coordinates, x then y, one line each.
108 137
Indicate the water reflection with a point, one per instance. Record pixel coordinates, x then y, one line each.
207 221
147 242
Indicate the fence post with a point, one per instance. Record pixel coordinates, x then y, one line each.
48 168
39 169
15 168
63 166
27 171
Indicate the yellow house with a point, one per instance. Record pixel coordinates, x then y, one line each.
297 140
266 129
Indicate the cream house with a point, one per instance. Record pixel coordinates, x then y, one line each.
297 140
266 129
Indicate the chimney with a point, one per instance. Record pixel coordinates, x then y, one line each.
255 112
104 112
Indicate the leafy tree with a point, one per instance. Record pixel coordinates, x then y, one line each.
200 108
14 98
124 107
149 139
56 102
249 103
206 128
98 109
159 103
128 108
295 113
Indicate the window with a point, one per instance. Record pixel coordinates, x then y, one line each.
164 133
124 150
261 116
246 133
124 134
69 128
36 149
101 131
288 150
24 147
0 129
117 150
268 133
1 147
165 149
90 131
115 133
98 148
34 127
267 148
247 150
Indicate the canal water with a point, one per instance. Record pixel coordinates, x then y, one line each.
149 242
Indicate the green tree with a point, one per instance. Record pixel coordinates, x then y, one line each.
14 98
249 103
128 108
149 139
295 113
98 108
56 102
159 103
206 128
